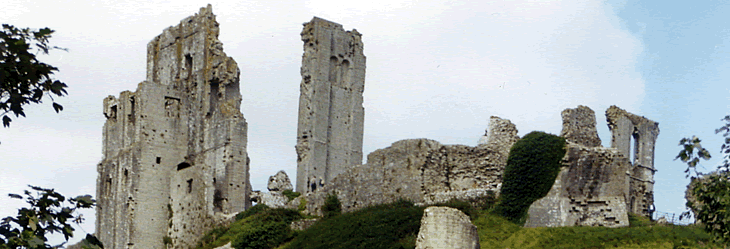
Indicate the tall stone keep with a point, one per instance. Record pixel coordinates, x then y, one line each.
174 152
330 129
633 134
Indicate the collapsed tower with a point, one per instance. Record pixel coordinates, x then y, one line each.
331 116
174 152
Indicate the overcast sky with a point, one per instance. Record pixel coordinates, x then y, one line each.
435 69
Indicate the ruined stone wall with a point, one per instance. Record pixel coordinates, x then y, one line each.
174 158
598 186
420 170
637 134
331 116
579 126
590 190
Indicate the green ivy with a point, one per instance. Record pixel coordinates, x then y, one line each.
532 166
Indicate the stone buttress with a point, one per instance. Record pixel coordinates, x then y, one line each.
331 115
174 152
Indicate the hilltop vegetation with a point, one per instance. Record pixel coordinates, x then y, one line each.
396 225
531 169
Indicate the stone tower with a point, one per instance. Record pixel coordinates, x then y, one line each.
627 131
330 129
174 152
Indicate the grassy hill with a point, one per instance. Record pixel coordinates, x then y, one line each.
396 225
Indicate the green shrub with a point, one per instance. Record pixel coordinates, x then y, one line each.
532 166
263 235
639 221
463 206
393 225
258 227
251 211
302 204
332 206
291 194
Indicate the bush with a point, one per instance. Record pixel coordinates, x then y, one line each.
332 206
263 235
259 208
393 225
532 166
291 194
257 227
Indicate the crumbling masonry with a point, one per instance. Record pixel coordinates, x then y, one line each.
330 129
598 186
174 157
625 129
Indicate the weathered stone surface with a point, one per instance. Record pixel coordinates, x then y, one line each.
420 170
590 190
627 131
331 116
174 157
299 225
279 182
271 199
445 227
579 126
502 133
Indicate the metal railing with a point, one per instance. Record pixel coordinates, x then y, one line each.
671 218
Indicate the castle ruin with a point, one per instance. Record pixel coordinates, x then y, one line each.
175 163
599 186
331 116
174 153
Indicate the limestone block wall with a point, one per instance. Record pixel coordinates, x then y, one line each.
579 126
590 190
635 134
420 170
331 115
445 227
174 158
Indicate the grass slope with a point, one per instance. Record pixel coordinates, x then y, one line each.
498 232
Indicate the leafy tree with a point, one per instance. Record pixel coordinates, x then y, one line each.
688 156
23 78
49 213
711 193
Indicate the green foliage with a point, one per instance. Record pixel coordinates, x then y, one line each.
688 156
291 194
725 148
463 206
711 203
391 225
259 208
48 213
90 242
332 206
498 232
639 221
24 79
532 166
263 227
302 204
